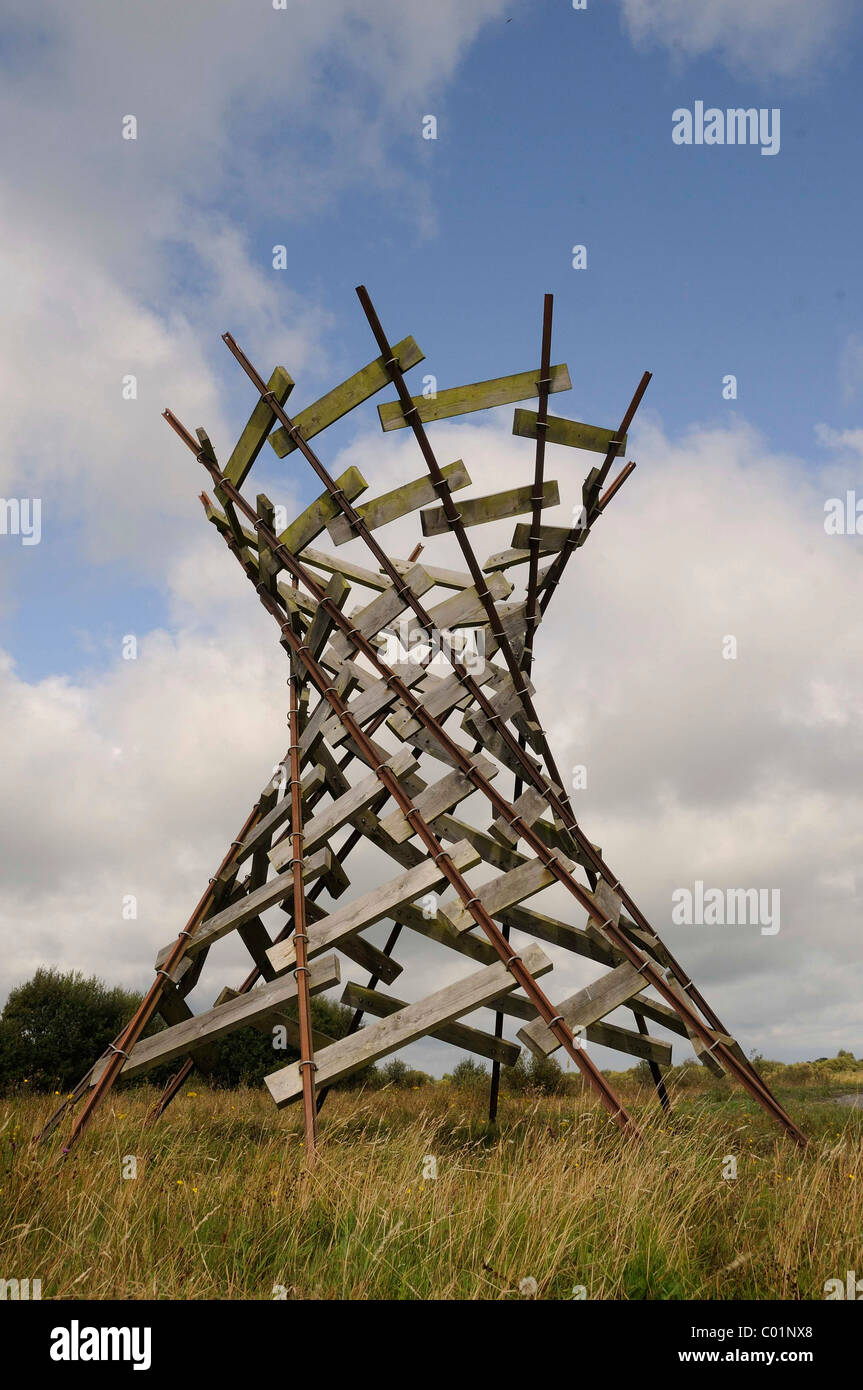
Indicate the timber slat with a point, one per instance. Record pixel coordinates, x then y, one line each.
571 432
408 497
478 395
495 507
345 397
414 1021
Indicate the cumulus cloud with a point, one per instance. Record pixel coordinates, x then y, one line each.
774 38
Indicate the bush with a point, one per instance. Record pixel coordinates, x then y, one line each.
54 1027
468 1075
541 1075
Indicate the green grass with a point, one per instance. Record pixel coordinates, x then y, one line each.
224 1205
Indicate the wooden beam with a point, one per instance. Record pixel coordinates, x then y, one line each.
586 1006
479 395
407 497
370 907
504 891
346 397
248 906
415 1021
571 432
261 421
381 611
215 1023
438 797
495 507
371 1001
310 523
339 812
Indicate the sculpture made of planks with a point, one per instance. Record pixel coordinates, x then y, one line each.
343 690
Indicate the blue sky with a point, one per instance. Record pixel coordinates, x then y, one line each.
555 129
303 127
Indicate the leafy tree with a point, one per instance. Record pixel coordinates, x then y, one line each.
54 1027
469 1075
533 1073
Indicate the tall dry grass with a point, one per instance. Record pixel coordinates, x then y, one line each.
223 1205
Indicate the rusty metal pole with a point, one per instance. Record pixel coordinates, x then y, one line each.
304 1002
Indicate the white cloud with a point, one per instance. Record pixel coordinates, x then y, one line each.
769 39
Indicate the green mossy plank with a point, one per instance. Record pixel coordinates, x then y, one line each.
479 395
346 397
310 523
550 537
251 441
571 432
497 505
391 505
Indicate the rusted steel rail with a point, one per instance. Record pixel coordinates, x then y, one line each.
304 1001
456 756
532 616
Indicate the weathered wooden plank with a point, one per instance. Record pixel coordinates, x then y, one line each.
357 949
339 812
550 537
250 905
401 500
502 559
504 891
465 608
634 1044
414 1021
381 611
557 933
310 523
570 432
216 1023
345 397
586 1006
440 697
370 907
438 797
490 851
437 928
529 806
478 395
446 579
336 564
372 1001
261 834
495 507
322 623
261 421
372 700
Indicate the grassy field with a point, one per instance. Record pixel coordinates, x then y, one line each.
223 1206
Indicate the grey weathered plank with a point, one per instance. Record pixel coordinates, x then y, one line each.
370 907
372 700
408 497
414 1021
505 891
477 395
586 1006
381 611
336 564
438 797
215 1023
529 806
446 579
372 1001
339 812
345 397
495 507
250 905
